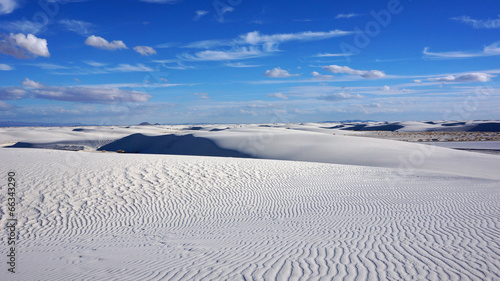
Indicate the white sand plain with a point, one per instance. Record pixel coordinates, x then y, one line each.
328 207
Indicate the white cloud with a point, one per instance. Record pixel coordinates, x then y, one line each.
234 54
253 44
278 95
199 14
48 66
12 93
131 68
270 42
368 74
491 50
489 23
32 44
327 55
77 26
417 81
7 6
145 50
31 84
101 43
468 77
319 76
83 94
278 73
94 63
346 16
5 67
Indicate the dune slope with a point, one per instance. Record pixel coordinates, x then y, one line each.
104 216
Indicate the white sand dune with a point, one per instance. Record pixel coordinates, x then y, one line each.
352 208
101 216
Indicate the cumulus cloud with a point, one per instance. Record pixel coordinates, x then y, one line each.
368 74
278 73
83 94
31 84
468 77
101 43
7 6
32 44
77 26
12 93
5 67
22 46
490 50
278 95
489 23
145 50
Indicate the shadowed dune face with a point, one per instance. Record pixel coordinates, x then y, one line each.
171 144
486 127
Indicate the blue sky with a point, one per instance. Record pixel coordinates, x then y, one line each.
242 61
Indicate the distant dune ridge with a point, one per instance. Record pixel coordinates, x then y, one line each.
343 206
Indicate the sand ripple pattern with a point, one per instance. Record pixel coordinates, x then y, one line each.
160 217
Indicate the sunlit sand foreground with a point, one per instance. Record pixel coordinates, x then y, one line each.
132 216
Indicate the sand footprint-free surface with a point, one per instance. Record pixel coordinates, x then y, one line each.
103 216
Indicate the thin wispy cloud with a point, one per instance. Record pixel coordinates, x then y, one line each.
83 94
80 27
233 54
490 50
48 66
330 55
8 6
199 14
253 44
23 26
488 23
130 68
240 65
145 50
347 16
5 67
